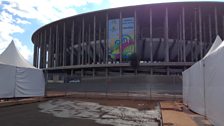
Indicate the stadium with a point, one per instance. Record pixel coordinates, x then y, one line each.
164 39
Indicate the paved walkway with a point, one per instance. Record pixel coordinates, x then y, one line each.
176 114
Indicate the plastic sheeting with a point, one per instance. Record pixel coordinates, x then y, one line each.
214 87
7 83
29 82
196 90
186 78
203 87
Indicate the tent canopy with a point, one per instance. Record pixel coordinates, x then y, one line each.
214 46
11 56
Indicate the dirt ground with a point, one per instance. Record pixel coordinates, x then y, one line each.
174 118
174 113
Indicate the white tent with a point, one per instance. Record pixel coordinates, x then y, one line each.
18 78
214 86
203 84
215 45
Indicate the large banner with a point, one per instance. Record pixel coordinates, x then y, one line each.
127 47
114 41
128 43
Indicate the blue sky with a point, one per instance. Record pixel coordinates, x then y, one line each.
20 18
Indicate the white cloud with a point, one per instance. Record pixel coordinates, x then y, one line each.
17 12
24 50
8 27
45 10
20 21
6 17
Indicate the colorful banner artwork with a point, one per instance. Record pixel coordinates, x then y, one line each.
127 37
127 47
114 41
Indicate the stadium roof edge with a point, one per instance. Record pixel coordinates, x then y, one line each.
149 4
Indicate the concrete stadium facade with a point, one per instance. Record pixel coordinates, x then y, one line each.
167 38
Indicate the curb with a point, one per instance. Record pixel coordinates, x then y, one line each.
21 102
90 95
